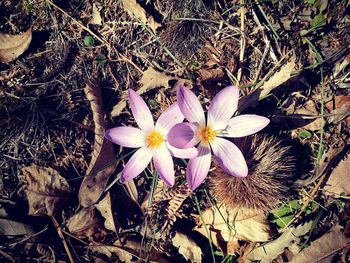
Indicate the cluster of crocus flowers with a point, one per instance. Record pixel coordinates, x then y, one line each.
170 136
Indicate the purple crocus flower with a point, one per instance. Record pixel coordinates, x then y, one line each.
208 133
151 139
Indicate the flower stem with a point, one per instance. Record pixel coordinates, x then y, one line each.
205 226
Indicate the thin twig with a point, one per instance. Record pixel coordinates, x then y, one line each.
242 43
266 50
305 116
205 227
59 231
27 238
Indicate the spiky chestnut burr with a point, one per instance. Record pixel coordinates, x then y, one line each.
272 167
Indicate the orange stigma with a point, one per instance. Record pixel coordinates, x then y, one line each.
154 139
206 134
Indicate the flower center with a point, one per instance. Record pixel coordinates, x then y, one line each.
206 134
154 139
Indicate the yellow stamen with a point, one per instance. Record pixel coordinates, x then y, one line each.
154 139
206 134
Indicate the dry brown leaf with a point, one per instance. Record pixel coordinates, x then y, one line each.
105 208
230 226
266 253
132 190
96 15
14 228
122 254
338 184
324 247
85 223
301 115
150 79
339 109
135 10
339 67
210 74
273 82
187 247
102 163
46 190
324 166
12 46
135 248
130 252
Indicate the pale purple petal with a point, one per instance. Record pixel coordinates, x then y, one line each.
140 111
136 164
244 125
222 107
183 135
182 153
171 116
229 157
198 167
190 106
126 136
163 162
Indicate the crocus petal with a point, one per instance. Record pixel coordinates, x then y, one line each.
137 163
164 165
198 167
182 153
183 135
229 157
222 107
244 125
190 106
126 136
140 111
170 117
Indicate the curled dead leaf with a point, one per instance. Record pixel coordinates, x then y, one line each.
210 74
228 226
339 108
302 115
12 46
187 247
108 251
46 190
102 163
96 15
86 223
152 78
136 10
105 208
